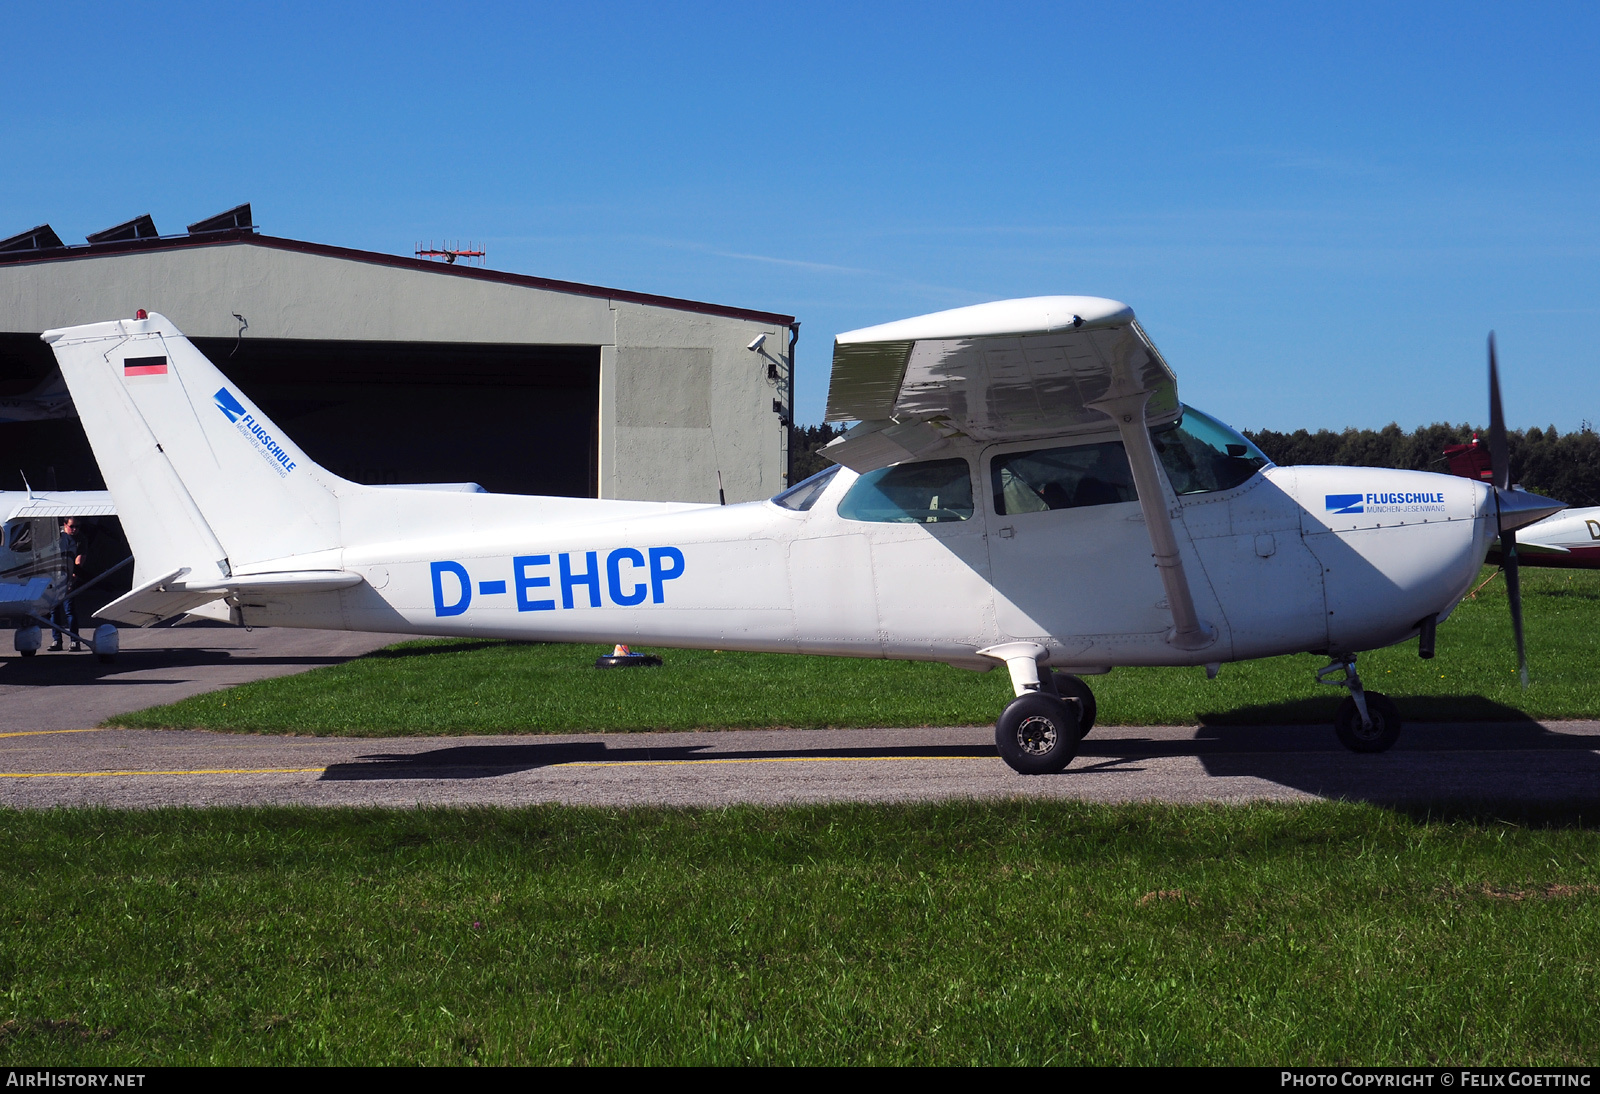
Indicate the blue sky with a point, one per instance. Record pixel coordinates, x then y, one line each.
1318 212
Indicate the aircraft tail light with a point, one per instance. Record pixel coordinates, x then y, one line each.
141 314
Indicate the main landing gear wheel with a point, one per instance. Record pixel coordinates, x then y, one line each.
1377 737
1071 688
1038 734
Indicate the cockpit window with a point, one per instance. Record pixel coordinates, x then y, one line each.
804 494
1061 478
1202 455
930 492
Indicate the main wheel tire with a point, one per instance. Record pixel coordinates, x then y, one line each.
27 653
1380 735
1038 734
1070 688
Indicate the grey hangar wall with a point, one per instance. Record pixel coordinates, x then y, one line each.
389 369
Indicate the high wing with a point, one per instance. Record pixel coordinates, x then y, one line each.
1008 370
20 504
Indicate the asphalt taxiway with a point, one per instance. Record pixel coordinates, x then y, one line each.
1527 763
51 754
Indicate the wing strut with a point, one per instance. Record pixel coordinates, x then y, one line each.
1127 410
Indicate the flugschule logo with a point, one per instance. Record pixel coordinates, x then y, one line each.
234 411
1430 501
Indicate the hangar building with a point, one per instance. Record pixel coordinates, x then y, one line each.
389 369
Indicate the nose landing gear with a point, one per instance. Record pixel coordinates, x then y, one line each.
1367 721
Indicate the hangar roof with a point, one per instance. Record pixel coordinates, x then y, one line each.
49 254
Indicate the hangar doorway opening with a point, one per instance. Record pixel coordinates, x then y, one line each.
521 419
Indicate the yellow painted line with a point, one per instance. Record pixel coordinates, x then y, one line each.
207 771
44 732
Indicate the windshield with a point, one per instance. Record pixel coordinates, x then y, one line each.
803 495
1202 455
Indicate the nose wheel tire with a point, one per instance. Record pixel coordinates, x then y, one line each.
1377 737
1038 734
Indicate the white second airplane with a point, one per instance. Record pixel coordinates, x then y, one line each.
36 574
1024 489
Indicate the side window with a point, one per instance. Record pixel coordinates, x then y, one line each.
19 536
804 494
931 492
45 534
1061 478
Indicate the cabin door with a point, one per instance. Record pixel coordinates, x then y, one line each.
1068 549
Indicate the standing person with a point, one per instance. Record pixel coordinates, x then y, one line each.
64 614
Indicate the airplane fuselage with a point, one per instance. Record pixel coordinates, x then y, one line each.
1292 559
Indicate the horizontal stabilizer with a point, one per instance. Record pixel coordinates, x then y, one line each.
442 487
173 594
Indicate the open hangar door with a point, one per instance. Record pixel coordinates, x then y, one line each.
515 418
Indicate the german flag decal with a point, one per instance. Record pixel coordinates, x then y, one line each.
144 366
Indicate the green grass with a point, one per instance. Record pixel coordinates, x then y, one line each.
456 686
1019 932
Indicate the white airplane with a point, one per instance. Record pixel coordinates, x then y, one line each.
1024 488
35 572
1570 539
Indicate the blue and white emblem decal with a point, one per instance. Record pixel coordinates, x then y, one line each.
229 405
1345 503
253 431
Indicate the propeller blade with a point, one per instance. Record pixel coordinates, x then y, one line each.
1499 461
1508 560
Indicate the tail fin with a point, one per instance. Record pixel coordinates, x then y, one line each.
201 478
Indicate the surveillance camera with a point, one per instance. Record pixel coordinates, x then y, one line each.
759 341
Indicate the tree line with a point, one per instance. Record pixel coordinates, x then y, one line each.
1565 466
